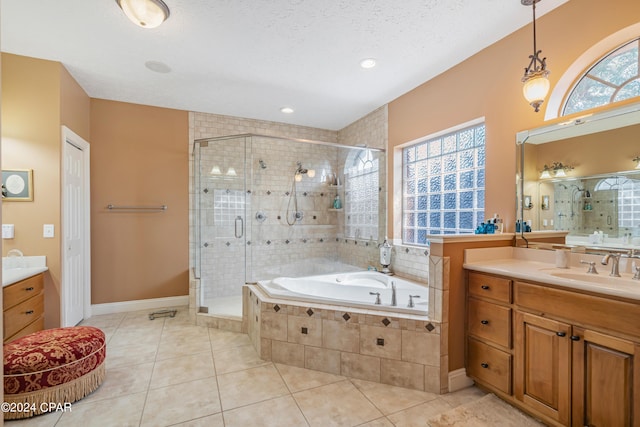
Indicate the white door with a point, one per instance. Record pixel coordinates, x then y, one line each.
76 286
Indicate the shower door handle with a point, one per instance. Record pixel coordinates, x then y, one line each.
239 233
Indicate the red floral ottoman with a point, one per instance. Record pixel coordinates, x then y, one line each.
52 367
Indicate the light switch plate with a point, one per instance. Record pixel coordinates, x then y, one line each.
8 231
48 231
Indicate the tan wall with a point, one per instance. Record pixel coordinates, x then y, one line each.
453 98
139 157
36 94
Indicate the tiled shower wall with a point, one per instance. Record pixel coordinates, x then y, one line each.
273 243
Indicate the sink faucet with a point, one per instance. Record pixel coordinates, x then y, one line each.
615 260
393 294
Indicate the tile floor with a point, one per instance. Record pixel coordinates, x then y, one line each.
167 372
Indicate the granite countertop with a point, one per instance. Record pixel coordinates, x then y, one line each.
539 266
15 269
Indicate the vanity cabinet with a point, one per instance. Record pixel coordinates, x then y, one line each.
576 356
23 307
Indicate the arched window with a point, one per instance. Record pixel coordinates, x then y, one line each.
613 78
361 195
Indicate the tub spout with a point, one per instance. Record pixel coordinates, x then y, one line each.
377 294
393 294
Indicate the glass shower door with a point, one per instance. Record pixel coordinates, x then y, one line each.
223 203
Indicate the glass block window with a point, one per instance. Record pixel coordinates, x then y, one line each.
613 78
628 199
361 195
443 185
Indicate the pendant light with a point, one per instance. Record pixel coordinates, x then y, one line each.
536 85
145 13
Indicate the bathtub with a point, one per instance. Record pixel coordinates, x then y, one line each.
350 290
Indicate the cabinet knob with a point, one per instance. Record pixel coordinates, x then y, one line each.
485 287
484 322
561 334
484 365
29 289
575 338
28 312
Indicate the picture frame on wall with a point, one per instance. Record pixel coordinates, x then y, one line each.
17 185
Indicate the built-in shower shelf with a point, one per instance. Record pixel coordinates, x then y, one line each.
335 186
335 210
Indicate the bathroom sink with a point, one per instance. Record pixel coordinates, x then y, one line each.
603 279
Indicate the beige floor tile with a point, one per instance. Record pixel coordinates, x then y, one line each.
380 422
250 386
463 396
210 421
126 337
126 356
279 412
185 330
298 379
416 416
123 381
236 359
182 369
124 411
336 404
182 346
44 420
390 399
104 320
225 340
181 402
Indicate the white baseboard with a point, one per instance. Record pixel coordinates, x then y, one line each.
137 305
458 380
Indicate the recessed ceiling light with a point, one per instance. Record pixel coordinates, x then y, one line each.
286 110
368 63
158 67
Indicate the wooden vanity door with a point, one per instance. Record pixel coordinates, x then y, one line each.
603 380
542 377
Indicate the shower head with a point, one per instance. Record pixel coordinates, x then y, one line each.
303 171
263 165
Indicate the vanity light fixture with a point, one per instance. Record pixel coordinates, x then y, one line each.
536 84
637 160
556 170
145 13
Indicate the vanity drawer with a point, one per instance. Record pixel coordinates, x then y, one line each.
36 326
486 286
490 322
489 365
17 292
23 314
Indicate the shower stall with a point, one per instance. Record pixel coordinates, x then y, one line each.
265 207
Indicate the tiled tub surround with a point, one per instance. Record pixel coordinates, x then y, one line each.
390 348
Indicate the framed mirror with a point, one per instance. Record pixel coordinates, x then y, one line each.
586 174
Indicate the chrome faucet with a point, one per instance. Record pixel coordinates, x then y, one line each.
637 275
411 303
393 294
377 294
615 261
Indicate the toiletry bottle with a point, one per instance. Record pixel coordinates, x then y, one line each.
337 203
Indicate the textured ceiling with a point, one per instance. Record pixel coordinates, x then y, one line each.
249 58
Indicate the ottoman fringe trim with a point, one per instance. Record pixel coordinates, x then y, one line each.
64 393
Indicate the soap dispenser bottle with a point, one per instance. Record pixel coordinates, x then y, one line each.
337 203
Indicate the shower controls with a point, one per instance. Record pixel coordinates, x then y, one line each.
261 216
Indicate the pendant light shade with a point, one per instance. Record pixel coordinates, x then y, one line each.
145 13
536 85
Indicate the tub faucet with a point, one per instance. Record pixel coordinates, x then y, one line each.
377 294
615 260
393 294
411 303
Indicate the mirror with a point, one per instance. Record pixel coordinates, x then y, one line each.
583 176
